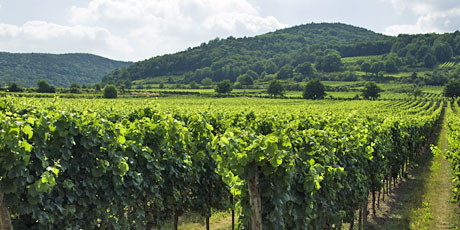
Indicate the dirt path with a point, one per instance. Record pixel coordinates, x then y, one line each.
423 199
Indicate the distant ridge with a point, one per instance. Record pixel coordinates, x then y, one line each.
60 70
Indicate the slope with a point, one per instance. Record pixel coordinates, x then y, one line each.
228 58
58 69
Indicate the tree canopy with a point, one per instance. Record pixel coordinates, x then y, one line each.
223 87
371 91
275 88
452 88
314 90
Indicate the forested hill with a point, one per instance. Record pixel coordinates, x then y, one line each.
58 69
264 54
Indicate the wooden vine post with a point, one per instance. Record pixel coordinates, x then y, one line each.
254 199
5 219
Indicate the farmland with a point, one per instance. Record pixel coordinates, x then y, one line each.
277 163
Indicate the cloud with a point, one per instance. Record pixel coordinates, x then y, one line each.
430 16
155 27
40 36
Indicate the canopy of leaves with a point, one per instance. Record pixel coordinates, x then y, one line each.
44 87
275 88
452 88
224 86
110 91
371 91
314 90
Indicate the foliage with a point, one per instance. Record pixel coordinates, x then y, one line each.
275 88
223 87
371 91
110 91
14 87
222 59
61 70
245 79
452 88
287 71
44 87
314 90
74 88
101 164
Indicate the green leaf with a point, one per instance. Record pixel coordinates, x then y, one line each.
28 131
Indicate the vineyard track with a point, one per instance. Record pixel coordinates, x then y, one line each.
422 200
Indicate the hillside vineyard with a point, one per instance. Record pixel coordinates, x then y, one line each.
133 164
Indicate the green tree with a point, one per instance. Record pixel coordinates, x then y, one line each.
314 90
376 67
110 91
332 62
14 87
194 85
44 87
74 88
452 88
442 51
245 79
366 67
371 91
224 86
429 60
287 71
206 81
306 69
275 88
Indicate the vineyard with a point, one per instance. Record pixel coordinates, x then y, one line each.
277 164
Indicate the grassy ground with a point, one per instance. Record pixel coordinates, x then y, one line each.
423 199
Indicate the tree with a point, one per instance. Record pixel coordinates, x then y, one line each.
110 91
452 88
224 86
287 71
245 79
194 85
366 67
306 69
429 60
371 91
332 62
74 88
44 87
314 90
376 67
14 87
206 81
275 88
442 51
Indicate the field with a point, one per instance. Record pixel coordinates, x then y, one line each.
78 163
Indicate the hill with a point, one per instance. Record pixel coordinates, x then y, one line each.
302 53
58 69
229 58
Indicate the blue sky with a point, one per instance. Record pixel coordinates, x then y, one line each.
139 29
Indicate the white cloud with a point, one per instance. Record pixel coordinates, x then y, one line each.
430 16
39 36
154 27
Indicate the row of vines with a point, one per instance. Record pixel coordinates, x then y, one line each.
63 168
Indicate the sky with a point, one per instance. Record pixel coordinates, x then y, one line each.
133 30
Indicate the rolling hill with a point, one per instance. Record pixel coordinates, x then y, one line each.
301 52
58 69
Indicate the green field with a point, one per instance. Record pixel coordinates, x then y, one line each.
149 161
